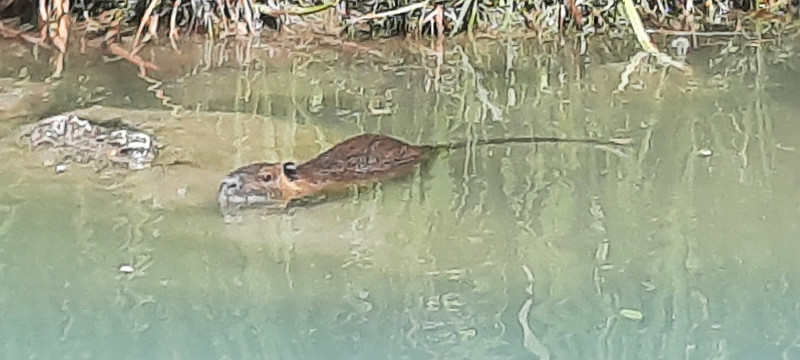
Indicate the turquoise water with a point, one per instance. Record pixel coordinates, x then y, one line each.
682 246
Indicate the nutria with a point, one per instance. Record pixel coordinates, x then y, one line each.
360 160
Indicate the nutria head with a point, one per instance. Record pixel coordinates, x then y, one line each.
268 185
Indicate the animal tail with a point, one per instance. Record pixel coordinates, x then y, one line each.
532 140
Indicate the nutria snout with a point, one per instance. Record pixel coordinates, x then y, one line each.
251 186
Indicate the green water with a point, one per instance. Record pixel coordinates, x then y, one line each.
518 252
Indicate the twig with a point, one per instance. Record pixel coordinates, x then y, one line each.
385 14
137 60
173 31
644 38
461 14
145 20
295 10
11 33
695 33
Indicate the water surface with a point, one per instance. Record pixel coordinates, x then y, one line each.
511 252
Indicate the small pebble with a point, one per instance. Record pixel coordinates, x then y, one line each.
60 168
681 46
126 269
704 152
182 191
606 267
631 314
24 73
467 334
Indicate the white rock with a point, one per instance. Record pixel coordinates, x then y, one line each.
126 269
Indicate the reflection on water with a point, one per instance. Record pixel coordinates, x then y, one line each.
545 251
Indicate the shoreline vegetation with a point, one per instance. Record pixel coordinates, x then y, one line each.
121 29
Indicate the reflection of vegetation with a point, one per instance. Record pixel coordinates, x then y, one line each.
122 27
493 252
496 251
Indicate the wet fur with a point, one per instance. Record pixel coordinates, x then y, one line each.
360 160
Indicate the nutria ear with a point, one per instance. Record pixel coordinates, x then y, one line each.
290 170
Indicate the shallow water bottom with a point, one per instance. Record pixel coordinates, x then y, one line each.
681 246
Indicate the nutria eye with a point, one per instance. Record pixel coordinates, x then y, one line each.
290 169
267 177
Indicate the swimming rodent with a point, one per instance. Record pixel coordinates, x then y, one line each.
360 160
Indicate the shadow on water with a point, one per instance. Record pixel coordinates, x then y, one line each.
681 246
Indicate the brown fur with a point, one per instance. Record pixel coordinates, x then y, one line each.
360 160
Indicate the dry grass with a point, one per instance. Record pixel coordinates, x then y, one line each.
123 28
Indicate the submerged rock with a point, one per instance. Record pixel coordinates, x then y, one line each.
68 138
